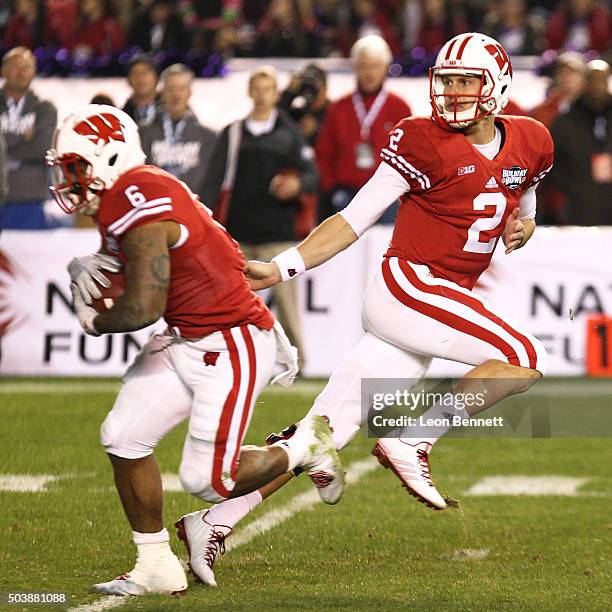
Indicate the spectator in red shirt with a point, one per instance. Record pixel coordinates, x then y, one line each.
28 26
97 31
580 25
356 126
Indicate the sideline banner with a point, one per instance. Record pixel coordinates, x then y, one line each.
551 287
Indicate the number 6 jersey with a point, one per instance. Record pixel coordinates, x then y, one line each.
208 290
456 208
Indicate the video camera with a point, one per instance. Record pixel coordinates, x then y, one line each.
304 90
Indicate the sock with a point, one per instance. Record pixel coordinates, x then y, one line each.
442 413
152 545
230 512
294 450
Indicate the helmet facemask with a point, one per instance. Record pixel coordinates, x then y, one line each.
73 186
446 105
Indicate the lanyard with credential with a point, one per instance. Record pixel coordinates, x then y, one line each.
367 119
14 112
173 135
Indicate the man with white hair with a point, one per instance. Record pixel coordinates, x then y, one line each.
355 127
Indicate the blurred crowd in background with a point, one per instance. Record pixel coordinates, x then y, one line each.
99 36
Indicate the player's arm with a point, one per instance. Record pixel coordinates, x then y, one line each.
521 224
334 234
147 278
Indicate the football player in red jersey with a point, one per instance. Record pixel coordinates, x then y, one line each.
466 178
209 366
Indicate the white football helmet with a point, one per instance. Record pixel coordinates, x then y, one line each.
92 148
470 54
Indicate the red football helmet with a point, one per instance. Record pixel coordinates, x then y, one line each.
475 55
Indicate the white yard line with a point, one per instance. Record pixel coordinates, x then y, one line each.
300 503
527 485
471 554
27 483
567 387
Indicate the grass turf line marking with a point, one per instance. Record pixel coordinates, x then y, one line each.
527 485
26 483
471 554
109 601
273 518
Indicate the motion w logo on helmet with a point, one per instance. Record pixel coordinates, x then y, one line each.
101 128
501 57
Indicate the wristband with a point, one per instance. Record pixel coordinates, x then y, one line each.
290 264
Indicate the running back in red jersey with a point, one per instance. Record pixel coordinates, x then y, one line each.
208 291
456 208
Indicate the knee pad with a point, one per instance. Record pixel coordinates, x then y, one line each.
115 442
197 481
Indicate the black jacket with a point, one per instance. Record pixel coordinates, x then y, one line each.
579 136
255 216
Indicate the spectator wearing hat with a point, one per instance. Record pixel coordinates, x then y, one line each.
142 78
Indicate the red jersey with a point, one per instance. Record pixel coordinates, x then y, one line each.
208 290
458 202
340 136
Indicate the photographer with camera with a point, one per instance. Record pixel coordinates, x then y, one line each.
305 100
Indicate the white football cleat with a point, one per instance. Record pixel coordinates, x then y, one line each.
411 465
204 543
158 575
321 462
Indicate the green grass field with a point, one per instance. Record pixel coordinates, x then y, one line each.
378 549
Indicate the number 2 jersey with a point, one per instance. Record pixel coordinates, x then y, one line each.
208 290
458 202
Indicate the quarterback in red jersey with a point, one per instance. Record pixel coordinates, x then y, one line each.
209 366
466 178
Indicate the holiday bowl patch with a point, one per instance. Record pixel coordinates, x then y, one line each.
514 176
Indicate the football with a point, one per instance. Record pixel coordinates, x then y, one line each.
109 294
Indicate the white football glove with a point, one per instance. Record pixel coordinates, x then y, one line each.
85 272
85 314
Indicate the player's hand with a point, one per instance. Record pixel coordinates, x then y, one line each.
85 314
514 232
262 275
86 272
285 186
